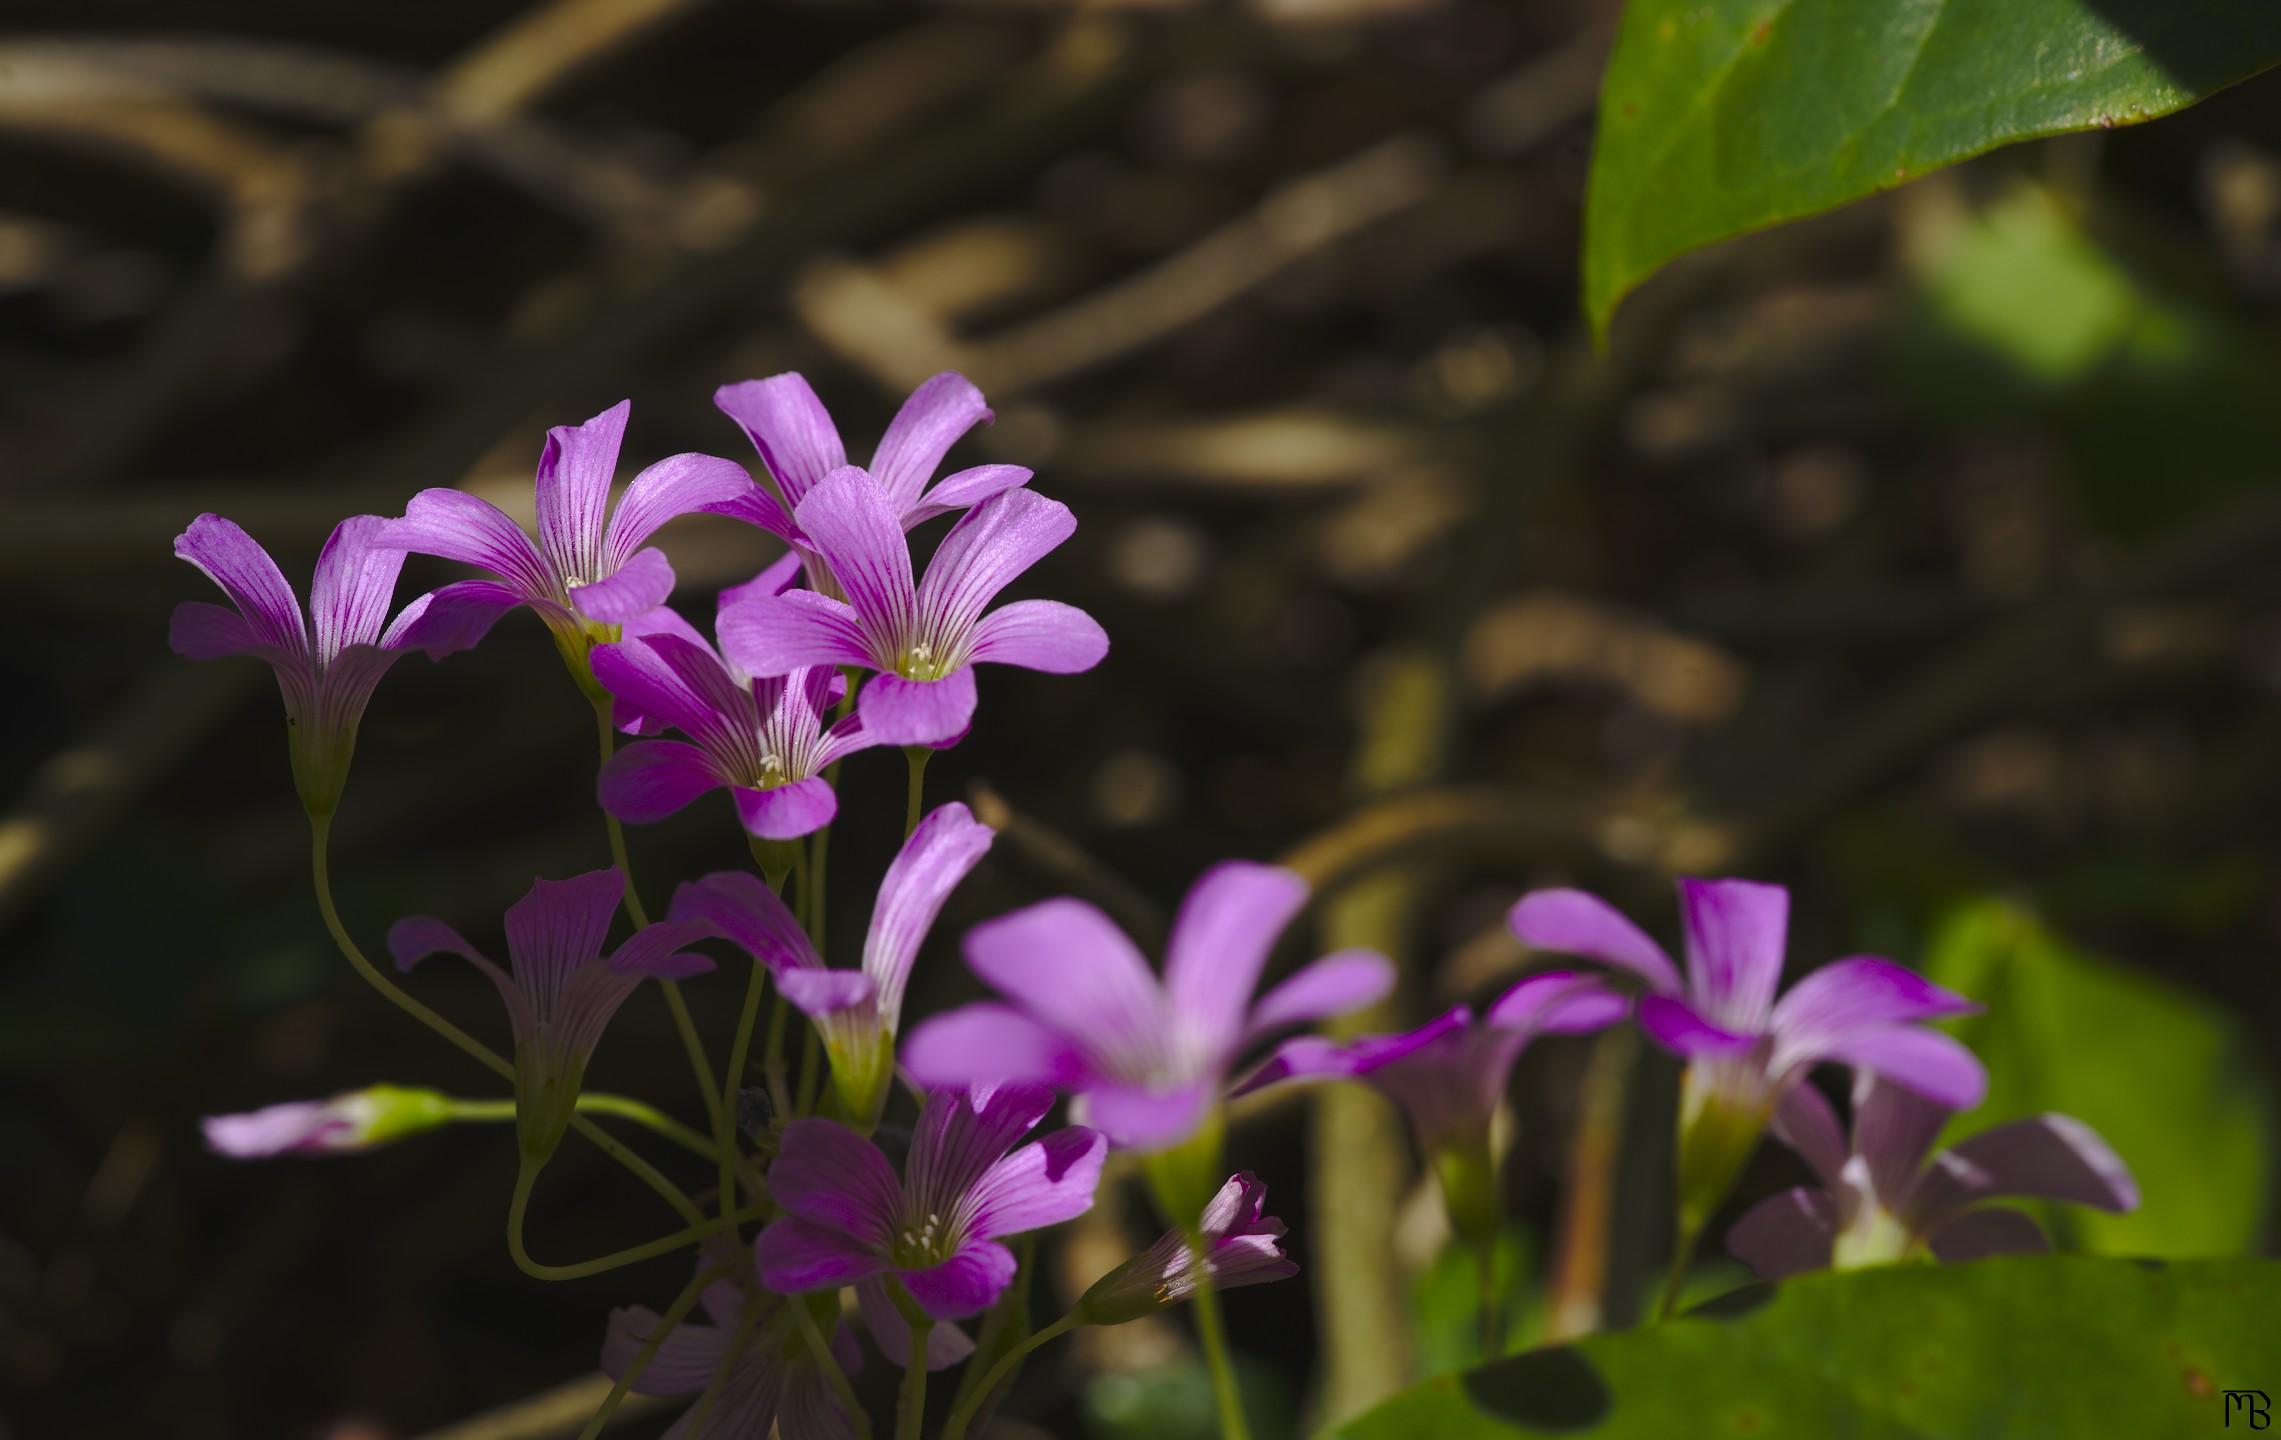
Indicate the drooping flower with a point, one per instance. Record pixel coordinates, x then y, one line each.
1149 1057
772 1380
858 1012
1745 1049
765 739
326 668
561 990
798 443
923 639
1450 1074
356 1120
1881 1201
1242 1245
936 1228
590 570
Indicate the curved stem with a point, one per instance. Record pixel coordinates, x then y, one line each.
1675 1279
1492 1303
1211 1334
625 1107
911 1404
527 1176
917 756
1000 1373
820 1349
739 1052
673 1316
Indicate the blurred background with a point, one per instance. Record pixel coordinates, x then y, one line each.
1921 557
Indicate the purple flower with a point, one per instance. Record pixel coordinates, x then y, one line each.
1879 1201
1150 1058
327 680
358 1120
857 1011
1744 1048
848 1218
562 990
924 640
799 444
765 739
772 1380
1242 1245
589 569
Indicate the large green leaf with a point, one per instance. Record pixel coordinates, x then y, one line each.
1722 116
2161 1072
2031 1348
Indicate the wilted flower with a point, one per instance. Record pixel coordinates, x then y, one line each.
562 991
1450 1074
1744 1049
936 1229
1241 1244
326 679
589 571
357 1120
1880 1201
1150 1058
924 640
857 1011
799 444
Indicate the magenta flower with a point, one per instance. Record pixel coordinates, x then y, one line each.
561 991
1242 1243
358 1120
799 444
773 1380
326 680
590 567
1149 1058
858 1012
1880 1201
936 1229
764 739
924 640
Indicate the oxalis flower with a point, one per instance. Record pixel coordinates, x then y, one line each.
1450 1075
924 640
1150 1059
357 1120
1242 1245
326 668
561 990
935 1229
857 1011
1744 1049
1880 1201
799 444
590 570
773 1379
764 739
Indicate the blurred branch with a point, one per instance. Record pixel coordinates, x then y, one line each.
559 1411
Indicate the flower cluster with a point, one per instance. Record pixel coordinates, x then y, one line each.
845 645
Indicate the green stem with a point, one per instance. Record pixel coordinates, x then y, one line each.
674 1315
739 1053
911 1404
1492 1303
963 1416
821 1350
527 1176
1211 1333
625 1107
917 756
1675 1280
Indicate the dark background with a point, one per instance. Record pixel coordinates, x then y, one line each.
1864 560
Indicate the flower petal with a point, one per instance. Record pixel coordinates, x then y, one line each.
671 680
964 490
739 905
2046 1157
776 635
1558 1002
1979 1234
850 522
1576 923
787 812
776 577
457 617
1220 943
1786 1234
987 550
1043 1183
235 561
897 711
796 1255
1043 635
942 409
676 485
454 525
1934 1065
828 1175
682 1363
790 428
655 949
559 926
947 1345
968 1283
573 488
1138 1119
651 779
1330 986
988 1045
940 853
1067 965
961 1134
354 581
1804 1121
817 991
203 631
1893 1131
642 583
1679 1028
416 937
1736 930
1847 994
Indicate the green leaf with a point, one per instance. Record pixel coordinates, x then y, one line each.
2161 1072
1723 116
2034 1346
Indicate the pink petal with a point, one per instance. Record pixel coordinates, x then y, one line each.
560 925
1982 1233
897 711
1043 635
942 409
1558 1002
1844 995
987 550
1220 943
1575 923
1068 966
790 428
200 631
454 525
787 812
642 583
457 617
1786 1234
677 485
947 1345
233 560
830 1176
968 1283
816 991
780 634
964 490
987 1045
739 905
573 488
682 1364
795 1255
1137 1119
651 779
1043 1183
848 519
354 583
940 853
1736 931
1804 1121
2047 1157
1679 1028
1934 1065
1331 986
